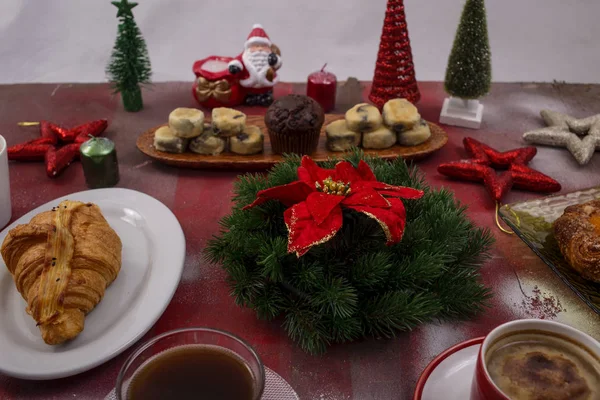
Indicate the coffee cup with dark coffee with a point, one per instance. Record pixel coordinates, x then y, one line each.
537 359
194 363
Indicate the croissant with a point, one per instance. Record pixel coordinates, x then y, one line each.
61 262
577 232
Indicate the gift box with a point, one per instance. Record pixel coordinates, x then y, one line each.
214 86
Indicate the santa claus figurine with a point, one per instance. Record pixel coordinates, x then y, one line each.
256 68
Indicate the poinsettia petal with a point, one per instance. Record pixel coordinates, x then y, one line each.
304 176
390 222
402 192
304 232
345 172
397 207
321 204
366 196
309 172
365 171
391 190
289 194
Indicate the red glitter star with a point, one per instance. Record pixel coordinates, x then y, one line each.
483 162
57 146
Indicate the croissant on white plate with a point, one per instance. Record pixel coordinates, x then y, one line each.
61 262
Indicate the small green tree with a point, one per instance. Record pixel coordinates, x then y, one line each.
469 71
129 64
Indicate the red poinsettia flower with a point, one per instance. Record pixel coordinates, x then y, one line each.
317 198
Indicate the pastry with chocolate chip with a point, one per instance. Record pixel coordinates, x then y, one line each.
165 140
208 143
416 135
186 122
340 138
227 122
381 138
400 115
248 142
363 117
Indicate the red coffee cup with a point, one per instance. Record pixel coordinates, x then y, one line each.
483 388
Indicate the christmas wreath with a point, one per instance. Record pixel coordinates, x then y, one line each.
344 250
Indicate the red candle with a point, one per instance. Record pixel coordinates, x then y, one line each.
321 87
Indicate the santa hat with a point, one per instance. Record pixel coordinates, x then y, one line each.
257 36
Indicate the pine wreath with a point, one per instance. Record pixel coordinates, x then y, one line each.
353 285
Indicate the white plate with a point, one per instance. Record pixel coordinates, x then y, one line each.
152 263
449 376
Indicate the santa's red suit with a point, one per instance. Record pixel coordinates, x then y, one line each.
256 66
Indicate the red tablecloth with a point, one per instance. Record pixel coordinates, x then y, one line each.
368 369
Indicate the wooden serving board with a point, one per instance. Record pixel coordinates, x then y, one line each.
267 159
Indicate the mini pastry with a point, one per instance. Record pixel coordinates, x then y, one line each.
339 137
186 122
577 233
381 138
416 135
249 142
165 140
228 122
61 262
363 117
208 143
400 115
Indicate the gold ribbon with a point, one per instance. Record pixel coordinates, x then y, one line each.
220 90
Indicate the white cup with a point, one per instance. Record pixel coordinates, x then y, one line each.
5 209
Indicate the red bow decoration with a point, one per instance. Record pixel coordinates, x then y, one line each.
484 159
317 199
57 146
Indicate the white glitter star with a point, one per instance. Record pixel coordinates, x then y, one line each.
580 136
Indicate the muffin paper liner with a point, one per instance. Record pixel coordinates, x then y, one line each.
300 144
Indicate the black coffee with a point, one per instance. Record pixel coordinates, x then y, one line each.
193 372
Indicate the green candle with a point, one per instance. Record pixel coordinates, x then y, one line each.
99 160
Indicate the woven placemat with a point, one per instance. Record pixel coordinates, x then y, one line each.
276 388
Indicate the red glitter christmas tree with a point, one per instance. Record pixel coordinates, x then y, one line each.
394 71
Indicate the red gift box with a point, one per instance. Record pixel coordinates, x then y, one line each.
214 85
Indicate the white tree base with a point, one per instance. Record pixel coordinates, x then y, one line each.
459 112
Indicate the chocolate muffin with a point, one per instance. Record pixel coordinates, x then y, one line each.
294 124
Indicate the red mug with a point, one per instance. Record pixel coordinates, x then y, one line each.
483 388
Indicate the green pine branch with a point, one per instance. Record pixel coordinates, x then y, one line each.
335 297
271 257
305 276
371 270
269 302
390 312
460 294
308 328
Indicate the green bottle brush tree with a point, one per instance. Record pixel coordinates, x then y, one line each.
129 64
353 286
469 71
